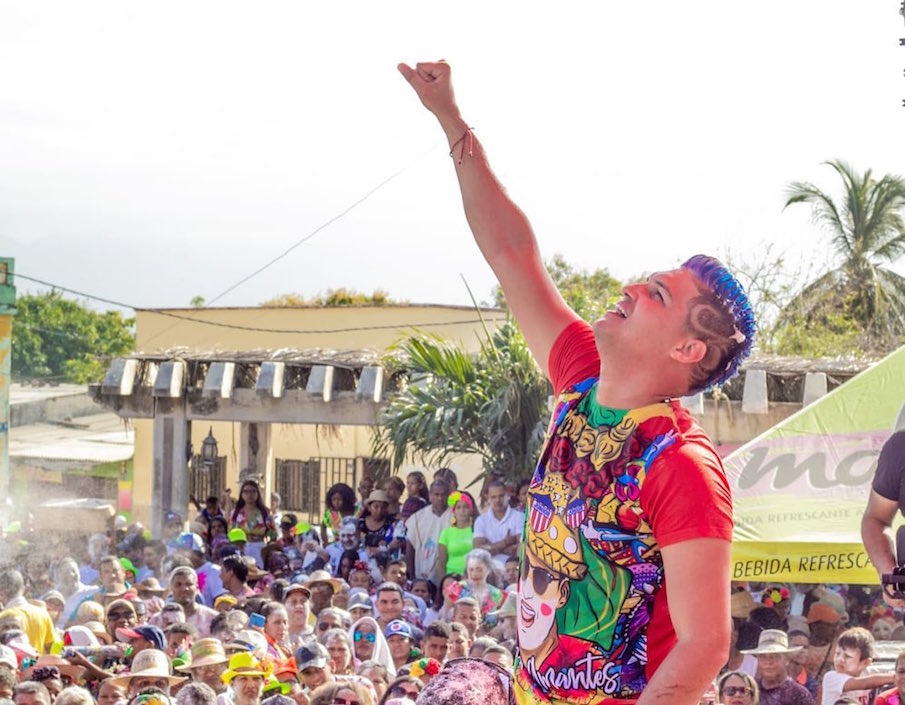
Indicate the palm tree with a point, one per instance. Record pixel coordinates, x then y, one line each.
493 403
867 233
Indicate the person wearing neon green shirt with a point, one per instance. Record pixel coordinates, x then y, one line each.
456 541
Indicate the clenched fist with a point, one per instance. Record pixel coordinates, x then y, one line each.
433 84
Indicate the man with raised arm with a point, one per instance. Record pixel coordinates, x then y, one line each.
629 500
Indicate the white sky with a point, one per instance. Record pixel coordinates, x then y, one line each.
152 151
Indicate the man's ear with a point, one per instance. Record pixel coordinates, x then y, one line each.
689 351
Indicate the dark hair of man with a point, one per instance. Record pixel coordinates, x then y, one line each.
495 482
34 688
237 566
437 628
196 693
390 587
185 628
108 560
431 588
441 485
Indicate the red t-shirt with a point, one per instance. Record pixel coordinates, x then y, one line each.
612 487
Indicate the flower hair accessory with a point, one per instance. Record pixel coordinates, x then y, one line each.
457 496
360 565
429 666
775 596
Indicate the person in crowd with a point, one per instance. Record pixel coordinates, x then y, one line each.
150 669
854 653
329 618
774 684
417 494
394 487
31 693
499 529
36 622
825 625
276 629
400 640
184 591
478 568
110 693
466 611
120 614
360 604
342 692
152 557
799 659
389 603
254 518
112 578
296 599
479 645
737 688
423 529
339 645
896 694
370 644
245 678
448 476
499 655
196 694
67 580
207 664
234 574
376 524
459 641
141 637
436 641
350 540
361 576
313 663
323 587
210 585
179 638
226 625
377 674
457 539
340 501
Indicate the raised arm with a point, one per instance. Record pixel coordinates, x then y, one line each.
500 229
876 533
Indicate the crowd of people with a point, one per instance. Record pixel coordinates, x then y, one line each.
401 585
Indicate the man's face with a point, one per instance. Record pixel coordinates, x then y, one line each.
420 589
400 646
348 537
31 699
772 667
799 657
109 693
149 556
848 660
247 689
111 575
211 676
438 498
321 593
396 573
313 677
458 645
541 592
365 486
469 616
498 498
184 588
298 608
389 605
140 683
119 616
822 633
326 622
511 572
654 321
436 647
68 575
177 643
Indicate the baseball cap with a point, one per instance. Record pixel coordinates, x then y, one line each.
189 541
172 518
398 628
296 587
360 600
314 655
146 631
822 612
289 519
237 535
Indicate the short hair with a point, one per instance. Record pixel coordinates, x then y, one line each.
748 680
465 602
498 649
196 693
437 628
483 642
858 638
459 628
33 688
11 583
338 633
395 480
237 566
189 630
448 476
74 695
387 586
183 570
110 560
325 694
722 318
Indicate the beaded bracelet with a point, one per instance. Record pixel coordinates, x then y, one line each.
469 133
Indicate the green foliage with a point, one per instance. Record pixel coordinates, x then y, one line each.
64 340
332 297
588 293
493 403
197 302
867 232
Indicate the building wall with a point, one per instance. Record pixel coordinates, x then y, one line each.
378 328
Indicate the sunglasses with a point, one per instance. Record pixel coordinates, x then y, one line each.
736 690
324 626
504 676
370 638
540 578
345 701
120 615
401 691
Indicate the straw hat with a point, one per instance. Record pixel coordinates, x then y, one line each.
377 496
149 663
73 672
772 641
205 652
741 604
150 585
508 608
322 576
244 664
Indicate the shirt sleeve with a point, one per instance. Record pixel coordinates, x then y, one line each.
833 683
443 539
890 474
479 531
573 357
686 495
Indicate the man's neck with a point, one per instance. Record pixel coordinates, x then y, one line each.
439 513
499 514
628 389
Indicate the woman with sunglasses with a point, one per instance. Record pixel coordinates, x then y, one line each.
370 644
342 693
403 687
737 688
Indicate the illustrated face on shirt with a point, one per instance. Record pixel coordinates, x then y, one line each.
848 660
541 592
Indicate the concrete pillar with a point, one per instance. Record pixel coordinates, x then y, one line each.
754 395
170 481
814 387
7 310
260 463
